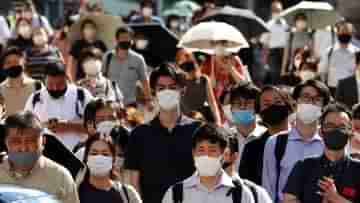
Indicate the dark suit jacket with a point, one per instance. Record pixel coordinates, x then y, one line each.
347 91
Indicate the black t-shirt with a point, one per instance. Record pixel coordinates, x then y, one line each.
79 45
304 178
251 163
90 194
21 43
163 158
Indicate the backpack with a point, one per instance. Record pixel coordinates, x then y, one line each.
236 192
80 98
280 147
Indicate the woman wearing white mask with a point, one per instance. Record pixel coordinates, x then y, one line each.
23 31
94 81
99 183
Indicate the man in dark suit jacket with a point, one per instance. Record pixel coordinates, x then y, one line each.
347 91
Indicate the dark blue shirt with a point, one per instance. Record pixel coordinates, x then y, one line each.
163 158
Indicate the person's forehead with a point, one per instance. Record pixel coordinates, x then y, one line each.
105 111
242 99
56 78
310 91
100 145
124 35
270 95
207 143
338 118
166 80
28 132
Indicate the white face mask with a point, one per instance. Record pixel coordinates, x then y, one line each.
92 67
307 75
39 40
168 99
147 12
105 127
141 44
208 166
25 31
308 113
100 165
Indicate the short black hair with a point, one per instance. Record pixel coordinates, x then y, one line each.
283 94
56 69
334 107
244 90
300 16
356 111
357 57
147 3
22 120
165 69
322 89
87 22
124 29
11 51
92 107
233 144
211 133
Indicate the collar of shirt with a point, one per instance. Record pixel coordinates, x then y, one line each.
180 121
351 48
224 181
40 164
295 136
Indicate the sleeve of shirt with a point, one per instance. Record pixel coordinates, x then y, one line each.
71 189
134 197
269 173
142 69
263 196
168 197
294 183
134 154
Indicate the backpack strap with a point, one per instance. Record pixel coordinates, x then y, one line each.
236 192
126 193
252 188
107 63
178 193
280 147
36 99
290 52
81 99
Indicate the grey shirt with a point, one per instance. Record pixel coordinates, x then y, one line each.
194 191
126 73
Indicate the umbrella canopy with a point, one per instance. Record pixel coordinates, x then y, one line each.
245 20
106 26
319 14
161 43
206 35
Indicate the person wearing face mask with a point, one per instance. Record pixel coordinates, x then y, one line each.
209 182
243 116
159 152
348 89
147 14
302 141
60 106
94 80
18 86
230 156
98 183
299 37
198 95
271 101
355 139
127 67
41 54
23 33
332 176
26 166
88 40
339 60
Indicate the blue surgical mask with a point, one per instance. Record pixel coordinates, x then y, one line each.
244 117
24 159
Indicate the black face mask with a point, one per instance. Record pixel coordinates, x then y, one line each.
187 66
275 114
14 71
57 93
123 45
344 38
336 139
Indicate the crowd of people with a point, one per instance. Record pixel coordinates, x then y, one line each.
90 123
